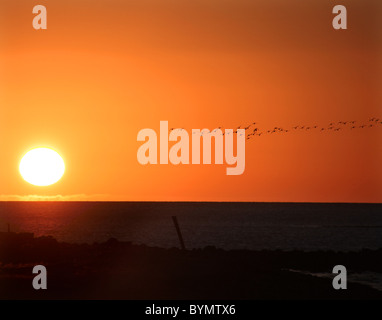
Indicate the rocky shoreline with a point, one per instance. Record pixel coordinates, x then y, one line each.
123 270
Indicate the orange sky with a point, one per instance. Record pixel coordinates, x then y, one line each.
106 69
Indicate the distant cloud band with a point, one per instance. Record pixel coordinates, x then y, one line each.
59 197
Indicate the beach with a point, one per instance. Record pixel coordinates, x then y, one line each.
123 270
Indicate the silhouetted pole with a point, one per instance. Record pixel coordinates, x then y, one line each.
178 232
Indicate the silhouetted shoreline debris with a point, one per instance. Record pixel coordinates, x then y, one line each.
123 270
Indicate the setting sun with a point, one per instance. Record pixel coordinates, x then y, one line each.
42 167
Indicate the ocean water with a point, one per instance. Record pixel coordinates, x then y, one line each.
285 226
371 279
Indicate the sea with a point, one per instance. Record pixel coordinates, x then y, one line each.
226 225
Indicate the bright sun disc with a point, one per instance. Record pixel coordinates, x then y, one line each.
42 167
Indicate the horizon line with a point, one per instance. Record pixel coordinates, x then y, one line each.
189 201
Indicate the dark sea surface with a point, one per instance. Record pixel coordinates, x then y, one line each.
285 226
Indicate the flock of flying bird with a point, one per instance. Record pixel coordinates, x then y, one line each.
251 130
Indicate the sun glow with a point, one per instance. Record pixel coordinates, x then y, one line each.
42 167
